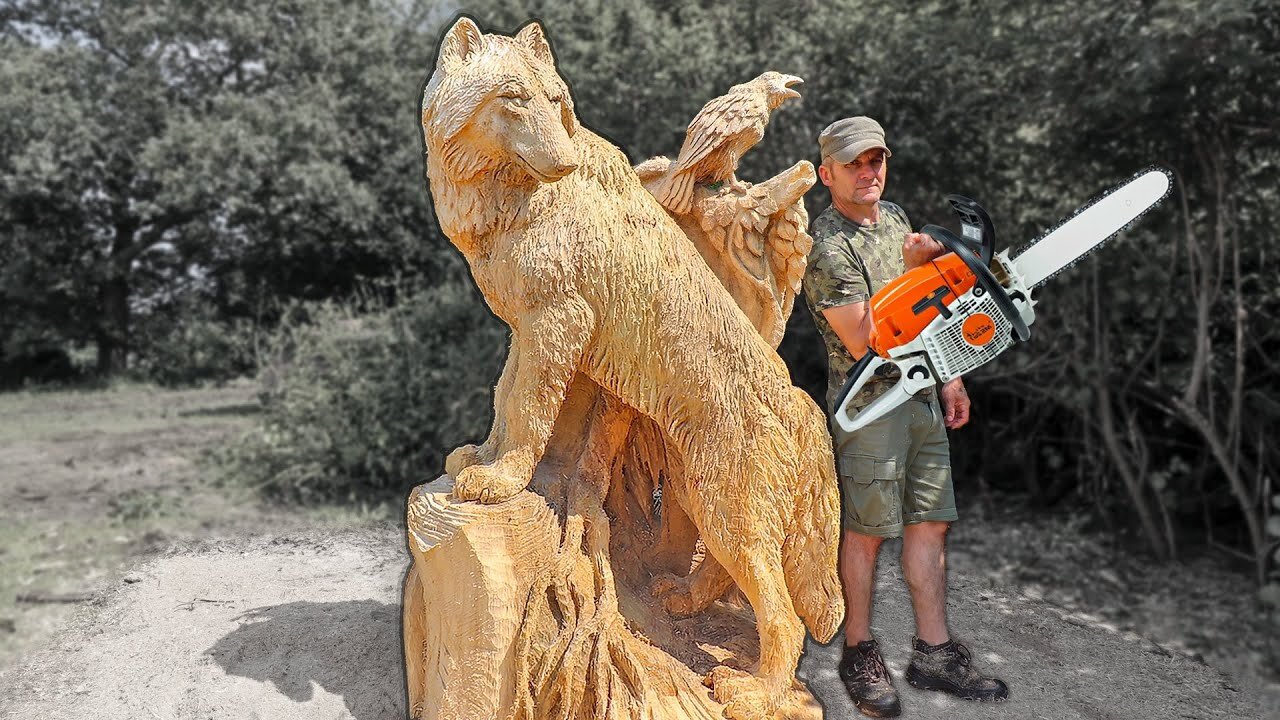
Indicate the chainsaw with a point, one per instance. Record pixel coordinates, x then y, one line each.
957 312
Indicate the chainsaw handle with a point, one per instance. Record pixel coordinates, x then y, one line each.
915 376
854 381
986 280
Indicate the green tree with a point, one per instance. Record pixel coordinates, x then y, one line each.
239 151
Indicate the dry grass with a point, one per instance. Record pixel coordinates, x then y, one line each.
92 480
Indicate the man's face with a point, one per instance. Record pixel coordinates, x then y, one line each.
859 182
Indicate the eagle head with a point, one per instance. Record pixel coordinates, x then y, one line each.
778 87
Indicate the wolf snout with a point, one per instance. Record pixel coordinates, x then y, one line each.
561 169
551 167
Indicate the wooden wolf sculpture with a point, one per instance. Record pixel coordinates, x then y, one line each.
753 238
601 287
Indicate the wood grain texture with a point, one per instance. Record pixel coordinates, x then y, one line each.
634 373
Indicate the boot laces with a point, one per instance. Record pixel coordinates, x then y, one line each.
962 655
870 668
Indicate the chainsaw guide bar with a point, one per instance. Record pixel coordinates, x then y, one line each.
1091 226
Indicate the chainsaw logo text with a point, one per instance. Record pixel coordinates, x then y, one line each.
979 329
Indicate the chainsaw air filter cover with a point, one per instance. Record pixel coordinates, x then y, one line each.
976 332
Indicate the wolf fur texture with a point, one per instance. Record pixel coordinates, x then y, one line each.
597 280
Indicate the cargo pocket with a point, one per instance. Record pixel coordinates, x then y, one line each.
871 493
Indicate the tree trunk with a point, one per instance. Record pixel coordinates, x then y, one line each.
511 611
113 329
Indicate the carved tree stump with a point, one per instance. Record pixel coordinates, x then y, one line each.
510 612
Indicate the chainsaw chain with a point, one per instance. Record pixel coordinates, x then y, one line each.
1086 206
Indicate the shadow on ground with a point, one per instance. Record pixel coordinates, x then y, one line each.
352 649
235 410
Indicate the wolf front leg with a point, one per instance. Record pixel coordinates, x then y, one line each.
758 697
545 353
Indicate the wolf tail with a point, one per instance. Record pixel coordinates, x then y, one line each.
810 552
675 192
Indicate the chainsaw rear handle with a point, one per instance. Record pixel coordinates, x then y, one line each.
915 375
861 371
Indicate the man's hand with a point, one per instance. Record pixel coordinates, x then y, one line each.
955 404
918 249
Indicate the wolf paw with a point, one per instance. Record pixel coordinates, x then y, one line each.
745 696
485 484
461 459
674 593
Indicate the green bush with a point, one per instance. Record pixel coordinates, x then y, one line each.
195 349
366 405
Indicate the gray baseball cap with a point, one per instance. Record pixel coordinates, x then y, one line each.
846 139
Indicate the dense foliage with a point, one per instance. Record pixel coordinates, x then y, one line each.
362 404
177 168
171 155
1149 389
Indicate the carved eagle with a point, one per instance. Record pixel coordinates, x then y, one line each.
720 134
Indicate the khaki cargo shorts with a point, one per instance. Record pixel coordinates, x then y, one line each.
896 471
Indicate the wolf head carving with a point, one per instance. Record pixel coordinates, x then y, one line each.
496 103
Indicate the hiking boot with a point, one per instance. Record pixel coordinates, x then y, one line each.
948 667
865 677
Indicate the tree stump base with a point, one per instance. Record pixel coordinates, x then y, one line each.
512 610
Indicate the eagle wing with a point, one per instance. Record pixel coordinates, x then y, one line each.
719 122
722 131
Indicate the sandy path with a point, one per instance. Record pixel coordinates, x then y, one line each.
267 628
295 629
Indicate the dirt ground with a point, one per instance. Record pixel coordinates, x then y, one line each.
169 586
91 481
308 627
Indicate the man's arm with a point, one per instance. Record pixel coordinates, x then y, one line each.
918 249
852 323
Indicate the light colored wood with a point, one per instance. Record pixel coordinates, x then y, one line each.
632 369
725 129
753 237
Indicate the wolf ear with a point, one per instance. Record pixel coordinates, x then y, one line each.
461 42
534 39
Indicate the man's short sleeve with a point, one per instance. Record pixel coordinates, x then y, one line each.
897 210
834 277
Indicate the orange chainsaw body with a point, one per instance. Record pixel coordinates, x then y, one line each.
904 307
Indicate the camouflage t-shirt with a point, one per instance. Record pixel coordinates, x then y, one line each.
849 263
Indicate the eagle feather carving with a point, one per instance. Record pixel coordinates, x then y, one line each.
721 133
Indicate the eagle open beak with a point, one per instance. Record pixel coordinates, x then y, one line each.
787 82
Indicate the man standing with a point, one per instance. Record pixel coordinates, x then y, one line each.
895 474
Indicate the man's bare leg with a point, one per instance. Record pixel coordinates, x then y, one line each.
938 663
858 574
861 666
925 567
